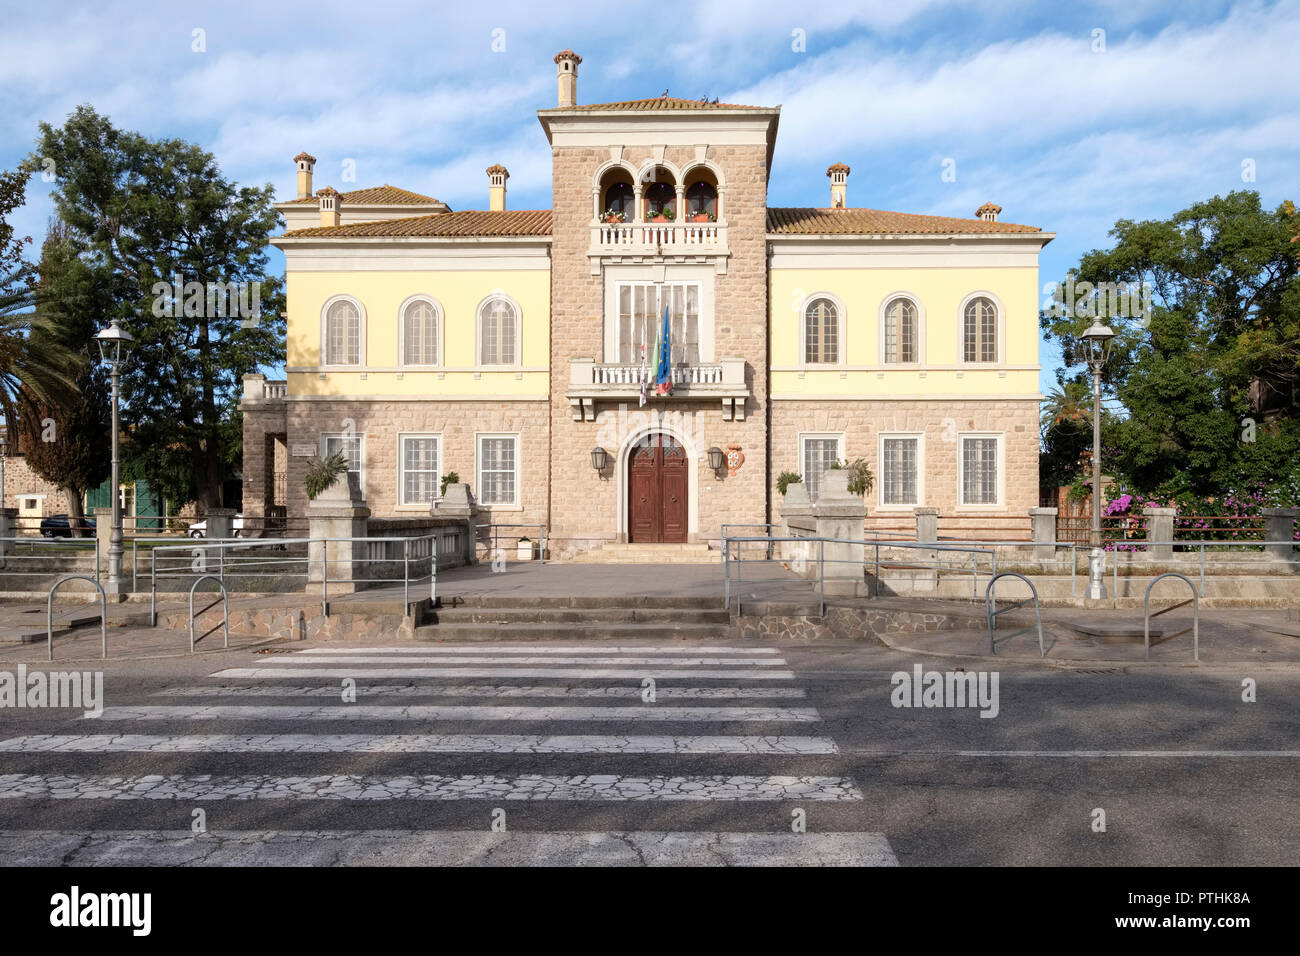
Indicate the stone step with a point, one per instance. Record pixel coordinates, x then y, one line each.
564 632
708 602
608 615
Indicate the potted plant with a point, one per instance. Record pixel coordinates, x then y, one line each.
663 215
614 216
703 216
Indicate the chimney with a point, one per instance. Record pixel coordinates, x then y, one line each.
566 69
839 174
305 163
331 206
988 212
497 176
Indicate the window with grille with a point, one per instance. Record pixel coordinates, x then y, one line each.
898 471
420 334
343 334
419 483
641 313
980 331
900 331
498 469
979 471
498 328
821 332
353 448
819 453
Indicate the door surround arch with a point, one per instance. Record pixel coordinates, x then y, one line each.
621 468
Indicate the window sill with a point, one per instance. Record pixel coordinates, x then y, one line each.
494 508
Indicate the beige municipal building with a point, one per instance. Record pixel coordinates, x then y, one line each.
506 345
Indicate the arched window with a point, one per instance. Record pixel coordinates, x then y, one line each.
660 198
343 333
980 331
702 199
619 198
498 332
420 333
900 331
821 332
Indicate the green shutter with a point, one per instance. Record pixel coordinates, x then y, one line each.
99 498
149 514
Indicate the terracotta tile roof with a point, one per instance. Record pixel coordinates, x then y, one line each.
875 222
467 224
567 53
307 156
379 195
838 167
660 103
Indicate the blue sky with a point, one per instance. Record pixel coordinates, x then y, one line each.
1064 127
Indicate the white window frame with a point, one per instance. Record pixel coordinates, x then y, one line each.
439 335
1001 459
402 438
361 332
824 436
478 468
885 303
920 471
498 295
616 321
841 323
361 452
1000 333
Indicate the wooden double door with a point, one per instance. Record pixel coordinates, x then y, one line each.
656 490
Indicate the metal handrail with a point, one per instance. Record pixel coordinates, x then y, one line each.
541 536
225 607
1194 601
991 615
103 614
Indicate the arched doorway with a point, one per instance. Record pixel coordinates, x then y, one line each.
657 490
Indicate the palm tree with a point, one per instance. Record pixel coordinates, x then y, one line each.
33 368
1068 405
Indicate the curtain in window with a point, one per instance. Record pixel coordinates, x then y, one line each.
419 470
342 334
980 331
640 312
497 471
900 331
497 333
818 456
898 471
420 334
979 471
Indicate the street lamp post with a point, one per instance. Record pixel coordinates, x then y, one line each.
113 344
1098 338
4 453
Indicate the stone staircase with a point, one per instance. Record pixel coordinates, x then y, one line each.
632 617
628 553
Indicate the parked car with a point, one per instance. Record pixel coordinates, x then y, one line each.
58 526
199 529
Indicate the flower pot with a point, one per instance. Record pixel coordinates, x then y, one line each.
658 219
700 217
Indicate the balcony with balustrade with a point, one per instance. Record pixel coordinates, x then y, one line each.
659 219
591 382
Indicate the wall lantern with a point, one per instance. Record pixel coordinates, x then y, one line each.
599 459
717 460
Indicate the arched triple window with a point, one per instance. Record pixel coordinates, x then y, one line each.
902 336
702 199
498 332
420 332
980 330
341 334
821 332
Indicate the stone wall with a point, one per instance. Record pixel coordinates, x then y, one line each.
862 421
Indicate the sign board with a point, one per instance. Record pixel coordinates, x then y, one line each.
303 451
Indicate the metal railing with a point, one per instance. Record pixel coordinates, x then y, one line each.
991 611
1194 600
43 558
539 543
103 614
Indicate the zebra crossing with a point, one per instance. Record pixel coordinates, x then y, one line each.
471 725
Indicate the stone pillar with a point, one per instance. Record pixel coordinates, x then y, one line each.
338 512
8 529
458 503
104 532
1160 527
840 514
1042 523
797 516
927 524
221 525
1279 525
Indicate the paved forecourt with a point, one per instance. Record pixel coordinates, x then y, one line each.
561 754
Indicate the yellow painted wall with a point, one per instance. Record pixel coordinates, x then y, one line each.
382 294
940 291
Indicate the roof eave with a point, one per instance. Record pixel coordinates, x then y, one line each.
1042 238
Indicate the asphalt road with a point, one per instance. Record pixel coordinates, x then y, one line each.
498 754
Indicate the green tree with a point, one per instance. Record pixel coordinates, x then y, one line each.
1208 375
144 213
1065 431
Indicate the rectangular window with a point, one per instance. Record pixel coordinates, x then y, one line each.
641 313
817 454
498 469
353 448
899 470
420 463
979 471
